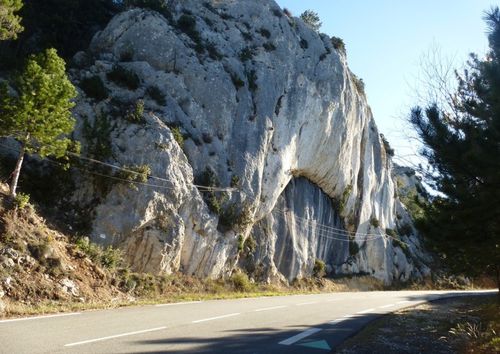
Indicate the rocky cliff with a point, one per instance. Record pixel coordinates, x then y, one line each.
240 96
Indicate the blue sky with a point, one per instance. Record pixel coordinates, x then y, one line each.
386 41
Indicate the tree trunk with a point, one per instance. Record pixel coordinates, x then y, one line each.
17 172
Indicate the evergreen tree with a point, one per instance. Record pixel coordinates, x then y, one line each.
311 19
38 113
10 23
462 146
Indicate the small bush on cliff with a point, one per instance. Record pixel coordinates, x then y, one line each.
374 222
187 24
338 44
319 269
124 77
94 88
108 257
311 19
155 93
135 113
134 174
353 248
178 137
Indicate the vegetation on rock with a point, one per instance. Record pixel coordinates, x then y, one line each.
37 114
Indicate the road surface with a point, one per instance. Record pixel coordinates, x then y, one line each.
285 324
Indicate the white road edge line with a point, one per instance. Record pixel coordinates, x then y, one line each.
299 336
115 336
365 311
386 306
269 308
178 303
307 303
337 320
216 318
40 317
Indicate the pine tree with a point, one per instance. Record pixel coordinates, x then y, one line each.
462 145
38 113
311 19
10 23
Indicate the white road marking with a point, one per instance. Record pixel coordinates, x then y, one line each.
365 311
338 320
114 336
386 306
299 336
307 303
349 316
40 317
178 303
216 318
269 308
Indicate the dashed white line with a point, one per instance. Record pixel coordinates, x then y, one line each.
365 311
299 336
386 306
114 336
307 303
269 308
217 317
178 303
40 317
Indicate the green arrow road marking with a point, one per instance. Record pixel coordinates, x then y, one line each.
320 344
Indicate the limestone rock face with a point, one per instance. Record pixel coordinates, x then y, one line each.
266 106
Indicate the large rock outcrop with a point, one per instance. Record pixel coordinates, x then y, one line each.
266 106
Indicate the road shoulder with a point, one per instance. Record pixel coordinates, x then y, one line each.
466 324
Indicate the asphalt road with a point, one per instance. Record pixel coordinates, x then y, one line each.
285 324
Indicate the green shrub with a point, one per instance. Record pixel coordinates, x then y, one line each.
108 257
250 245
240 243
391 232
94 88
213 53
311 19
155 93
134 174
269 46
98 137
345 197
252 80
353 248
124 77
136 112
176 132
187 24
265 33
235 181
319 269
374 222
360 85
388 149
22 200
247 54
237 82
403 246
338 44
241 282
